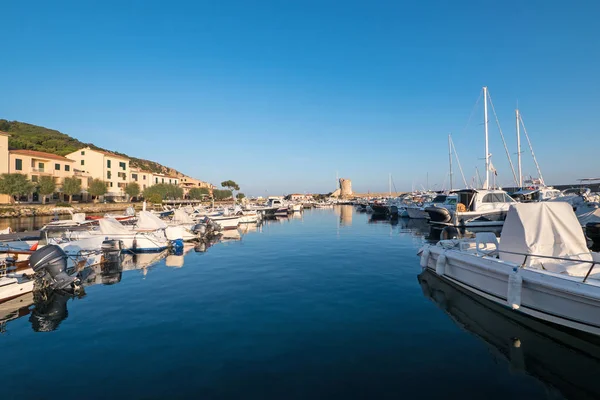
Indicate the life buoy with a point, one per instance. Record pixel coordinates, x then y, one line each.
460 207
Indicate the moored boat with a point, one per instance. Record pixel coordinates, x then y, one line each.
540 266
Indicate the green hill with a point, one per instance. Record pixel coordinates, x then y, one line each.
33 137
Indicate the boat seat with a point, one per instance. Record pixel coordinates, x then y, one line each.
484 242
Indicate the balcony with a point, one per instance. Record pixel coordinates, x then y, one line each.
42 171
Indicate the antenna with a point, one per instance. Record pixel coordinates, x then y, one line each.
450 158
519 148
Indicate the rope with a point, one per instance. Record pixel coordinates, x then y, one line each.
531 148
458 162
503 142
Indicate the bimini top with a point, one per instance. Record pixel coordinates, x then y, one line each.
545 229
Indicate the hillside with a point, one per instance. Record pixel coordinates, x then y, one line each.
33 137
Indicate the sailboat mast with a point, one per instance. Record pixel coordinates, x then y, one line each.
450 158
390 185
487 150
519 149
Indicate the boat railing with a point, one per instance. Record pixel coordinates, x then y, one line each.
592 262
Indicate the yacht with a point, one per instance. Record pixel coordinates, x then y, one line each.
474 208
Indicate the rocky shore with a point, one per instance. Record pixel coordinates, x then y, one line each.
32 210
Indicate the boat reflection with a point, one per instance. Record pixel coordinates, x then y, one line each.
14 309
564 360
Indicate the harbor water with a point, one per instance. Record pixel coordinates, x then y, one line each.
323 304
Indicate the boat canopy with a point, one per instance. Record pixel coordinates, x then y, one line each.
149 221
110 226
545 229
182 217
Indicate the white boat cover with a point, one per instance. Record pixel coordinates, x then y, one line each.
149 221
588 213
182 217
545 229
110 226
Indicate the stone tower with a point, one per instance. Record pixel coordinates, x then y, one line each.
345 187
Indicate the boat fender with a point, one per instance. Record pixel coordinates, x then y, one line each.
515 283
440 265
425 258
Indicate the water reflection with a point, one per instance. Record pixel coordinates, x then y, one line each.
565 361
47 308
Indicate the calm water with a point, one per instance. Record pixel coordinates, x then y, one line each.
327 305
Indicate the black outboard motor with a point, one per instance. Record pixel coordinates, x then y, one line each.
50 264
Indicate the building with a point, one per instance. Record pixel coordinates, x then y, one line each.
35 164
162 178
4 161
141 177
109 167
299 197
187 183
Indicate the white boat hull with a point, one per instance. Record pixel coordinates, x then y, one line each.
226 223
11 287
555 298
416 213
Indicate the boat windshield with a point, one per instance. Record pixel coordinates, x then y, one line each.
439 198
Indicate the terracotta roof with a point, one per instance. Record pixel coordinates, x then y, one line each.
39 154
4 133
108 153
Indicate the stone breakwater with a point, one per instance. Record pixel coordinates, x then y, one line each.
32 210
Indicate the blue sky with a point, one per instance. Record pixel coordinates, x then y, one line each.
279 95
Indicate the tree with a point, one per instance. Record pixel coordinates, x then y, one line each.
198 193
162 191
97 188
132 190
46 186
232 186
220 194
240 196
15 185
70 187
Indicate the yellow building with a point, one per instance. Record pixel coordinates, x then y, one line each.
161 178
109 167
187 183
141 177
4 161
35 164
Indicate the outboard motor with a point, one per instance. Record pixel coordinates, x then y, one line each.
111 251
50 264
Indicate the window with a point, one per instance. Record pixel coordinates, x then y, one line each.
34 178
123 166
496 198
57 167
144 177
19 164
107 163
82 153
108 175
41 166
111 185
134 177
155 180
82 162
67 168
169 181
163 180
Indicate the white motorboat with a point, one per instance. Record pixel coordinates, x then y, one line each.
295 207
226 222
15 285
540 266
474 208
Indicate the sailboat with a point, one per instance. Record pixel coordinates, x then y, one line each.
477 207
